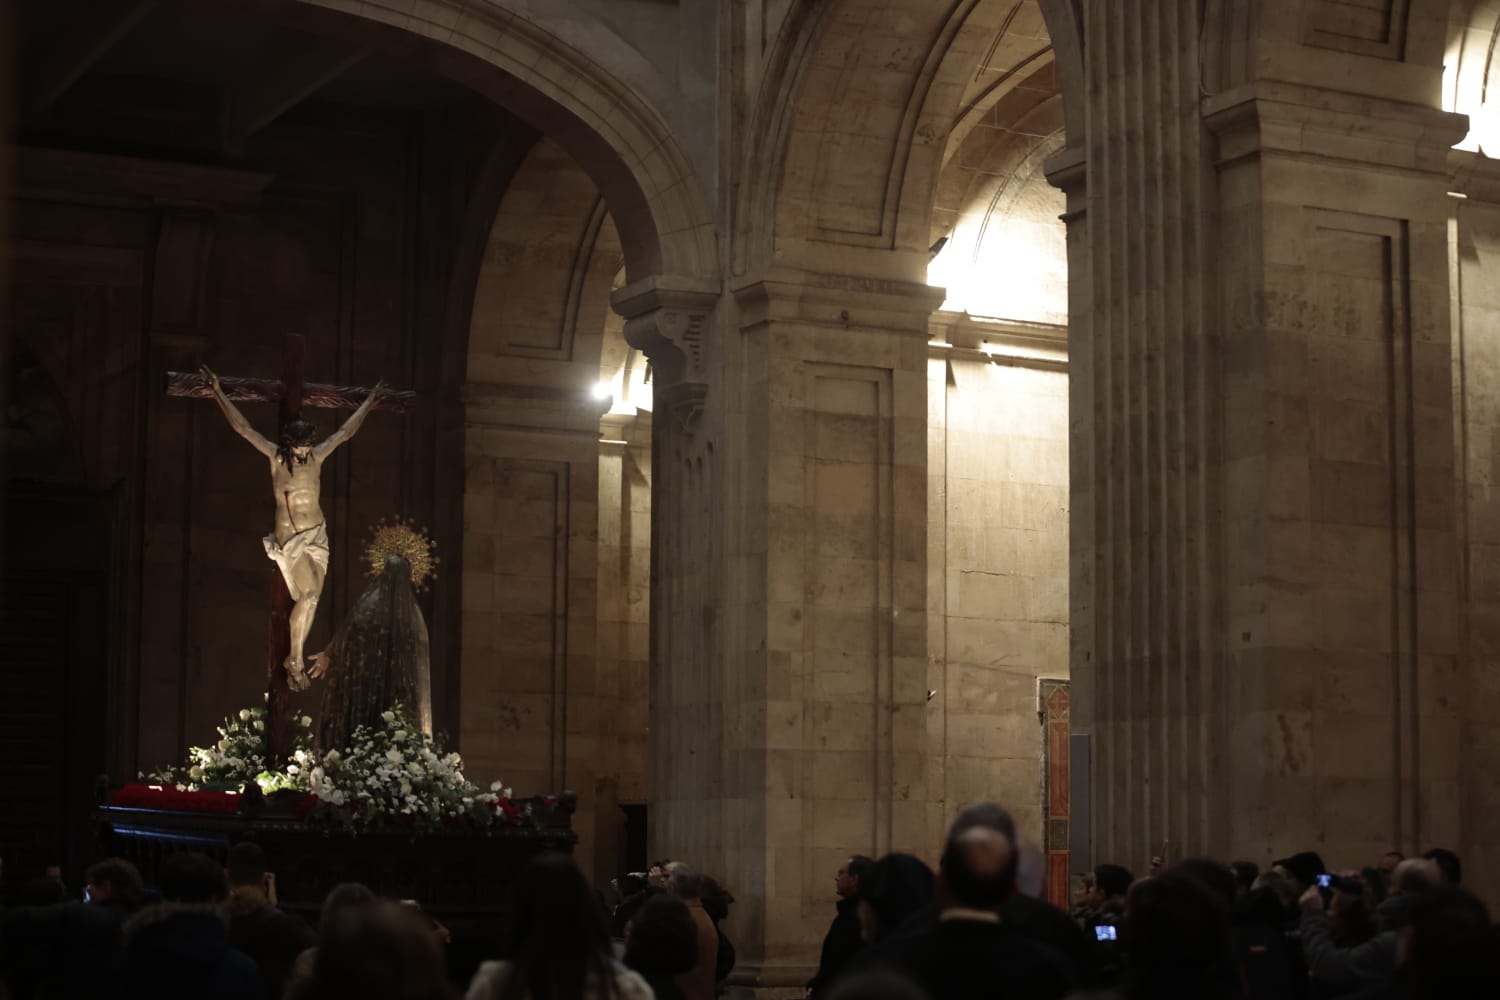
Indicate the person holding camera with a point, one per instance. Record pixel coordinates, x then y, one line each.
1329 909
257 926
1107 913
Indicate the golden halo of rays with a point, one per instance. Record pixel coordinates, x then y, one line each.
398 536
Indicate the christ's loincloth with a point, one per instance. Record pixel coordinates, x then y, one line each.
310 543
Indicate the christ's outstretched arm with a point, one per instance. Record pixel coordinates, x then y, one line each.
236 418
351 426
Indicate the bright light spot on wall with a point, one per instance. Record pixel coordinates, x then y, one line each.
1007 256
603 390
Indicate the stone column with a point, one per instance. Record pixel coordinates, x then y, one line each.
827 735
1263 523
667 318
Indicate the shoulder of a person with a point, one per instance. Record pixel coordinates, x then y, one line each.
631 985
488 980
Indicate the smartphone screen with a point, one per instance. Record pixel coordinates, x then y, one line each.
1324 881
1106 932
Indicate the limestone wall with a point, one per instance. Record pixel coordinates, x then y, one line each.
1475 742
997 572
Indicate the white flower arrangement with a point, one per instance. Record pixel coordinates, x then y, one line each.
391 775
237 758
396 775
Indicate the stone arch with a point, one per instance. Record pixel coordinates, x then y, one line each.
664 218
848 149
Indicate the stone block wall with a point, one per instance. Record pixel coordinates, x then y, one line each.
997 573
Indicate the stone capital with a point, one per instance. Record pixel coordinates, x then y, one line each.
1272 117
665 317
830 299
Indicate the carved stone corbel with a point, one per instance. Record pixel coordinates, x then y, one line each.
665 318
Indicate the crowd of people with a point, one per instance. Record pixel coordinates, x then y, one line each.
976 927
1199 929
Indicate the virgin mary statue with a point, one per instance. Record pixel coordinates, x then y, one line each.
378 657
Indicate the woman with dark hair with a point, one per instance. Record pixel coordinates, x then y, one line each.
898 887
343 899
379 952
661 943
1178 944
560 948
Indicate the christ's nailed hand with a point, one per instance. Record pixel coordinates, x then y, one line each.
208 374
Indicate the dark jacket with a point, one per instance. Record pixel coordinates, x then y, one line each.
840 945
1271 971
970 959
62 950
273 939
181 951
1040 921
1340 970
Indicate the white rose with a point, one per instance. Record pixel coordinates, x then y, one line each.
306 720
495 786
259 726
195 773
244 714
292 769
223 744
388 716
393 755
331 756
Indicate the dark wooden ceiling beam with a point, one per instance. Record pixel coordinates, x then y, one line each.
291 76
98 27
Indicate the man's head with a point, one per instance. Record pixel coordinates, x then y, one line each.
987 816
114 880
246 864
983 814
299 433
1448 864
1388 862
1279 884
683 882
846 880
191 877
1083 892
1301 870
1245 874
1413 876
977 871
897 886
297 440
1111 883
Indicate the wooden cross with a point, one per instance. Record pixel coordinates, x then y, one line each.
293 394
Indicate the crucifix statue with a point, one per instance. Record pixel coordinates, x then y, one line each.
298 544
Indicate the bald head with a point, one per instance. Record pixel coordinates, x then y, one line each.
985 814
978 869
1414 875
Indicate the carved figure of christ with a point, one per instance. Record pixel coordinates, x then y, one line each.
299 542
